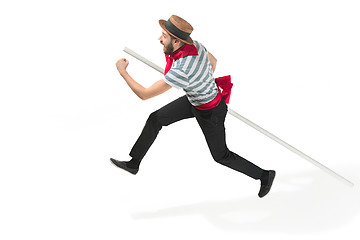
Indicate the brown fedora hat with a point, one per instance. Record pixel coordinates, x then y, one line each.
178 28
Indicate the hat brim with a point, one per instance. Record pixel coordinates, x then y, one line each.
187 41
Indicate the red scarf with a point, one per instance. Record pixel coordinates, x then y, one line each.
224 83
184 51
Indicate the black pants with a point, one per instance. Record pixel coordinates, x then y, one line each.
212 125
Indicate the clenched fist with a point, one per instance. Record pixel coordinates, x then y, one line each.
122 64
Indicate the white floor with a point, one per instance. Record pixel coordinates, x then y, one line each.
65 111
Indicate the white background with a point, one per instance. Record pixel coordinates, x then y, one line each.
65 111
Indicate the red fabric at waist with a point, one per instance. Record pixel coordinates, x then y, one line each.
211 104
224 84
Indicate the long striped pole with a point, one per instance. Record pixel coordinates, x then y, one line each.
255 126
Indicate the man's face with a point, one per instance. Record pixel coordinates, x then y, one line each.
167 41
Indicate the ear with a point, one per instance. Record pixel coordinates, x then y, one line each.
180 43
177 41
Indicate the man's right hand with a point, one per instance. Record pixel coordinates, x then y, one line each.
121 65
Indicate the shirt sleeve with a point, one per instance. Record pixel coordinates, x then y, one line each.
176 78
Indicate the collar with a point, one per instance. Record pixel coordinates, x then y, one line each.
184 51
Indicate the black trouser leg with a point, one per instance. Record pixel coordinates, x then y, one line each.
212 124
170 113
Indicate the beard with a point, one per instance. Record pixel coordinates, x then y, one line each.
168 49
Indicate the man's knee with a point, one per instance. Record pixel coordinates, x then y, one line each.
222 157
154 120
153 117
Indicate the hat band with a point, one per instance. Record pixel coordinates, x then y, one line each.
177 32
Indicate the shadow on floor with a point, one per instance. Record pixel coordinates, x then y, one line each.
308 203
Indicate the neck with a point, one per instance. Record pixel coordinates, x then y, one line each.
180 45
177 48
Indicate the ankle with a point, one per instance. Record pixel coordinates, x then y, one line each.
133 163
264 176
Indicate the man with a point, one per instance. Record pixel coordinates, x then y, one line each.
189 67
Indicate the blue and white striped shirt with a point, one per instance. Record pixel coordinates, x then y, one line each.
194 75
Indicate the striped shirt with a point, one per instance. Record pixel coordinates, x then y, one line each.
194 75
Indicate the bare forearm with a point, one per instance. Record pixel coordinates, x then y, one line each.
143 93
137 88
